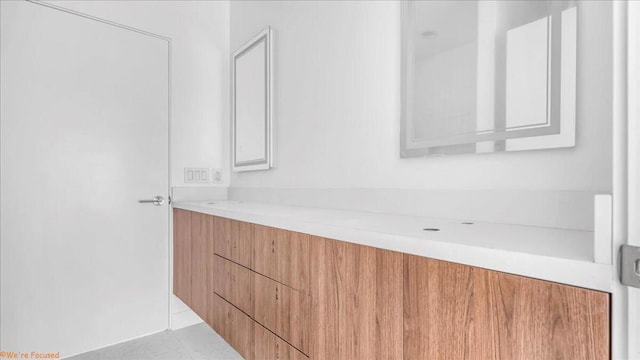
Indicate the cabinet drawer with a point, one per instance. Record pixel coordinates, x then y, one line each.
233 283
282 255
282 310
269 346
233 240
233 325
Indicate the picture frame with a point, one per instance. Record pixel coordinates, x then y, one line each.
251 104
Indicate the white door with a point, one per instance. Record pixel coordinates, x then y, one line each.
84 136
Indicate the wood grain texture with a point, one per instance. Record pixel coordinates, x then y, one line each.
356 310
213 277
437 309
222 236
201 229
282 255
234 326
269 346
182 255
283 310
388 307
234 283
242 243
215 315
523 318
233 240
454 311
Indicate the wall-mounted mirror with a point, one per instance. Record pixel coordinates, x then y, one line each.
251 104
484 76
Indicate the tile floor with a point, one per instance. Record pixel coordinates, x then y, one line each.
197 342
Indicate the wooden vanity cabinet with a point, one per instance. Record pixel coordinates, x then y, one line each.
233 325
277 294
233 240
233 283
253 274
283 310
356 293
438 298
529 318
182 255
269 346
282 255
454 311
192 233
201 233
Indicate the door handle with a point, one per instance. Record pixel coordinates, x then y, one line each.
157 201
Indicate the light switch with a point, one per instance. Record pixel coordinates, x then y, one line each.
196 175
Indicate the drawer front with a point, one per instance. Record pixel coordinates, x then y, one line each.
282 310
235 327
233 283
282 255
233 240
269 346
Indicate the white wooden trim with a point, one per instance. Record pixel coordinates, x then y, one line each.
633 121
619 300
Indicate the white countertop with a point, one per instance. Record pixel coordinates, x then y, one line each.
564 256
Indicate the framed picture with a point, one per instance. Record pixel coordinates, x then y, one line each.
251 104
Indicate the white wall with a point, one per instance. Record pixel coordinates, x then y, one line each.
200 44
337 106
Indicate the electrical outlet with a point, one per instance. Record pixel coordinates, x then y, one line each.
217 176
196 175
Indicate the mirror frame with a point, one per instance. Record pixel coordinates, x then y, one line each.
266 161
558 129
